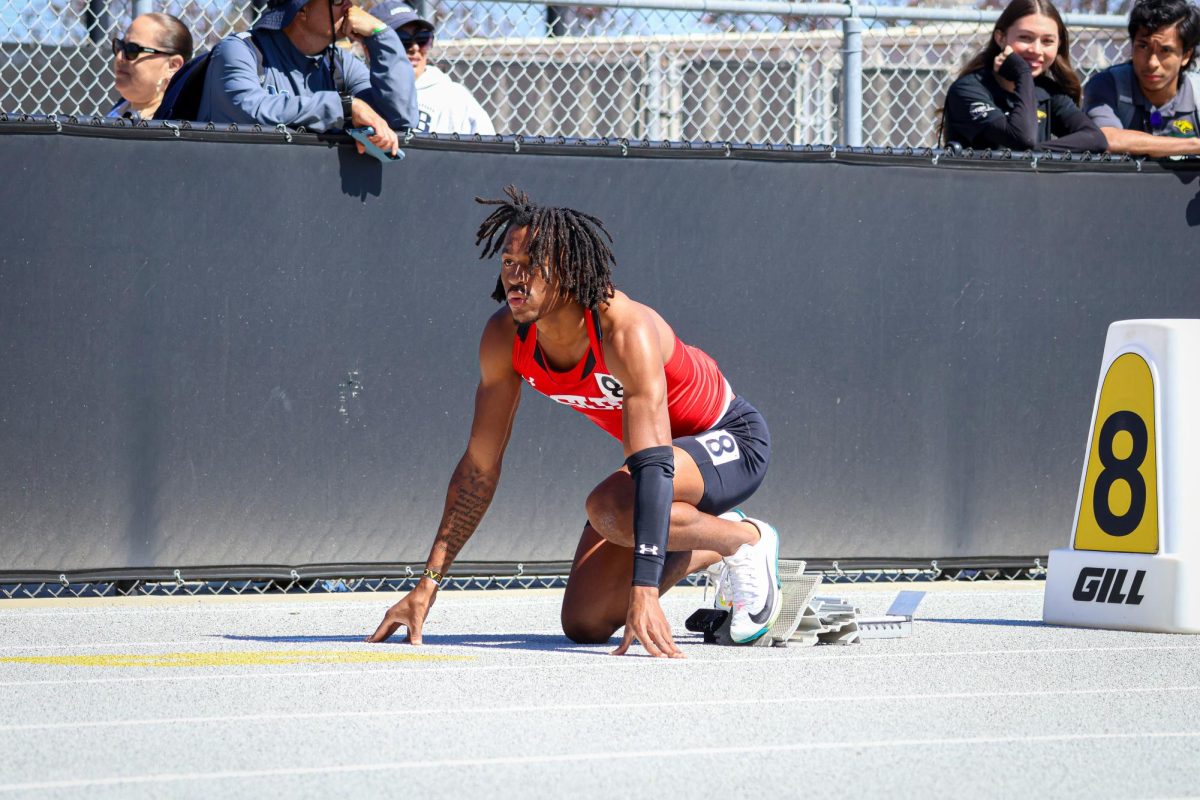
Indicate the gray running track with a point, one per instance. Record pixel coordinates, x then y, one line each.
254 697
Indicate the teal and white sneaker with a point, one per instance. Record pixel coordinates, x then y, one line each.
718 573
753 577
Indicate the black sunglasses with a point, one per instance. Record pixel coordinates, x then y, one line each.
420 39
132 50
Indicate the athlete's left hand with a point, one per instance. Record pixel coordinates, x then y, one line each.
646 622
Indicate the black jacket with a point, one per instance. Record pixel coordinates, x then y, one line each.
981 114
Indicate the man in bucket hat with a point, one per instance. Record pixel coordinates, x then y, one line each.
289 72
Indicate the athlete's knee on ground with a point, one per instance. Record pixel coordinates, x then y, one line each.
587 631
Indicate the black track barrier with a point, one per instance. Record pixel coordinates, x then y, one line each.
237 348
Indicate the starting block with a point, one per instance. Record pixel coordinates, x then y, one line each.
808 620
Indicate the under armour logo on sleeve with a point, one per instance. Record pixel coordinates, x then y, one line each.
648 549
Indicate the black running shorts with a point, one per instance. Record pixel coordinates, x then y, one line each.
733 456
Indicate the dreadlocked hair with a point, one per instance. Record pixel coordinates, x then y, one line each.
564 245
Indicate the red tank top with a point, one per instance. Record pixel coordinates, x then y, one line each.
697 393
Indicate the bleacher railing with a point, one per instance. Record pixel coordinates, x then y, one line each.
692 70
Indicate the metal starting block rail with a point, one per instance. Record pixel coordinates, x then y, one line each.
808 620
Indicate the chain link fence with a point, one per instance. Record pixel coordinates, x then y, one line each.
639 69
546 576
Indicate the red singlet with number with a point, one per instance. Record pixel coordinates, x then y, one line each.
697 393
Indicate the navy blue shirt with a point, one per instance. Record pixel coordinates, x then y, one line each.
300 90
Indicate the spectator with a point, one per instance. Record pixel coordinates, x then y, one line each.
445 105
154 48
289 72
1021 91
1147 106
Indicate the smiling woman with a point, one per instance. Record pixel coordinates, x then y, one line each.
153 49
1020 91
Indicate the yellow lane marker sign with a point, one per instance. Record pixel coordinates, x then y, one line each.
1133 562
239 658
1119 509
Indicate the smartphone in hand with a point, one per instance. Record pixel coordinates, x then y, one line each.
362 134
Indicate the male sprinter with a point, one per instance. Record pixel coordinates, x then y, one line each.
693 450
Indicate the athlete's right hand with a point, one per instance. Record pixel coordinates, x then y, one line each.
646 623
409 612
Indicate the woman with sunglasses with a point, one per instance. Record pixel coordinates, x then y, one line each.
445 106
1020 91
154 48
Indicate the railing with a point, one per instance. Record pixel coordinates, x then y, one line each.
717 70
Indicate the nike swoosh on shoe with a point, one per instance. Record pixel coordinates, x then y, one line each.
765 614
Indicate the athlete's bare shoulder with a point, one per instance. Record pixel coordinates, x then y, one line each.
495 346
500 323
622 315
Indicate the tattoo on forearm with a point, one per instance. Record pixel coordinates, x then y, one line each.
467 500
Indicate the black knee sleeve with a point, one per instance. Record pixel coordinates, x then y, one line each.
653 471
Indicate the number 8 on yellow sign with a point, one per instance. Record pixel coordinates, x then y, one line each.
1118 505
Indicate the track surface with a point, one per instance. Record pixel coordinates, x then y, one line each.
255 697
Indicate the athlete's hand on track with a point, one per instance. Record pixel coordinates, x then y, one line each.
363 116
409 612
646 622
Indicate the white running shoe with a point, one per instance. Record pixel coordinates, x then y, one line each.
753 576
718 573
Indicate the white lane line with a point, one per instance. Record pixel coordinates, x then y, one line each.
724 751
241 608
573 707
218 639
768 656
496 598
96 645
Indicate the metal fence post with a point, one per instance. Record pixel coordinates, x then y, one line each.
142 7
852 93
655 91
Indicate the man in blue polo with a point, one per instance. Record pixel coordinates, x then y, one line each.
288 72
1147 105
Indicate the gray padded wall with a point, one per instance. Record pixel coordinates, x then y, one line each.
179 321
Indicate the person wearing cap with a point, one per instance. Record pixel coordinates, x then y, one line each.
289 73
1147 105
445 106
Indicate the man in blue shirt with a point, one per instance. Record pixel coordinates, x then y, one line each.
289 73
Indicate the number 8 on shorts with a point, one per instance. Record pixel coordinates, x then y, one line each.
721 446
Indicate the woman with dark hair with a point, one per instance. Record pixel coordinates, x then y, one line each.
154 48
1021 92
